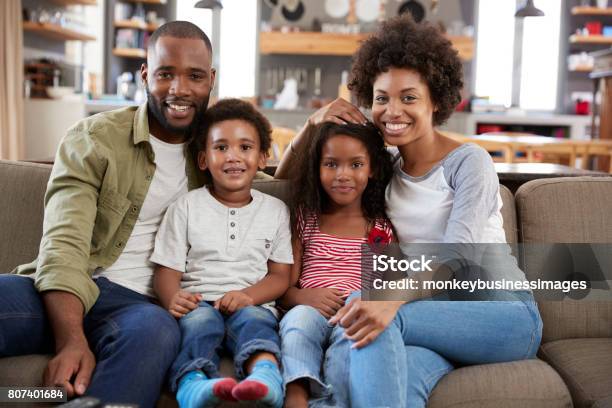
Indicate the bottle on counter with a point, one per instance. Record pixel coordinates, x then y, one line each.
343 91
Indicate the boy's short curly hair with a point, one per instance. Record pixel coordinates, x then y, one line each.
401 43
235 109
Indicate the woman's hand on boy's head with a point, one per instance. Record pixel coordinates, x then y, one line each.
233 301
183 302
326 300
363 321
339 111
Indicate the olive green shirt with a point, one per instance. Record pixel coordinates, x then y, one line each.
102 172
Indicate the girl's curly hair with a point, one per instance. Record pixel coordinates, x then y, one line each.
307 195
401 43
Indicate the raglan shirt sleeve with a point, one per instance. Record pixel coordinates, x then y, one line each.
172 241
472 176
282 251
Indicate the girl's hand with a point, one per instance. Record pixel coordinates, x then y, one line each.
326 300
339 111
363 321
233 301
183 302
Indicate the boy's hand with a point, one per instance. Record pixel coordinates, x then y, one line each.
183 302
232 301
326 300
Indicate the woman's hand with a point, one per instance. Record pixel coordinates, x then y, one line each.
363 321
326 300
339 111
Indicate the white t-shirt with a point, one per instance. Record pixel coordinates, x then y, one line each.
133 269
219 248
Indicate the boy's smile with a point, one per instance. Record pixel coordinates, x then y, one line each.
232 155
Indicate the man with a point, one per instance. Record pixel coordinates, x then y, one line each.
114 176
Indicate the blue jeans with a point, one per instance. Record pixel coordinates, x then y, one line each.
134 340
313 350
205 331
428 338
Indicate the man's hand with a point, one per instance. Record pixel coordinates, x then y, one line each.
183 302
339 111
363 321
73 360
326 300
233 301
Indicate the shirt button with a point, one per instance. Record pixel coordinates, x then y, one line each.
232 224
267 246
119 244
232 236
148 177
134 209
232 212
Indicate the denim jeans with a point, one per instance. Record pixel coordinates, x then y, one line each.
205 331
308 344
134 340
428 338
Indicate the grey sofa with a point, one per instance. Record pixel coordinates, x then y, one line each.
574 367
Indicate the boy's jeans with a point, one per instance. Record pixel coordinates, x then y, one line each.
134 341
310 345
249 330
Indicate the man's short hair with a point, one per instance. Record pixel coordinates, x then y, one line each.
179 29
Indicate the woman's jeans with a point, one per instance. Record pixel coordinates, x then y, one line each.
205 331
134 340
428 338
315 351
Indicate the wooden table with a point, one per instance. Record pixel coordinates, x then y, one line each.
513 175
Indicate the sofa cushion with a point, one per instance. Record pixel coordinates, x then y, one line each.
586 367
508 214
530 383
22 190
574 210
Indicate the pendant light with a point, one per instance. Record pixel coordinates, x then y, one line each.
529 10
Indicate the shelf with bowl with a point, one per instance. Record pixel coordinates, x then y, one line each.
591 11
130 52
56 32
581 68
590 39
314 43
139 25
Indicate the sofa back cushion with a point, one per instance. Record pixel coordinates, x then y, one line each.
567 210
22 190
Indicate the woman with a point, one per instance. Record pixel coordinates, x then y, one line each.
441 192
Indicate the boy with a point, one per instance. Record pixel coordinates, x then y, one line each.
224 253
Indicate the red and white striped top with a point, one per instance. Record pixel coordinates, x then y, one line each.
329 261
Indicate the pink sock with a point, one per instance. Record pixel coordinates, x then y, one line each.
223 389
249 390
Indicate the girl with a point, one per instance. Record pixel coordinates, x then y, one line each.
338 203
441 192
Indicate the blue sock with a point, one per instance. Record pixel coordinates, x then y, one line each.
264 385
196 390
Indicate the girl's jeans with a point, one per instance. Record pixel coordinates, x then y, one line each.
315 351
428 338
205 331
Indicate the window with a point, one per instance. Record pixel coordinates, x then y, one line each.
537 62
238 48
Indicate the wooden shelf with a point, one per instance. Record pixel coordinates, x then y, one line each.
56 32
312 43
135 24
590 39
76 2
582 68
130 52
148 1
591 11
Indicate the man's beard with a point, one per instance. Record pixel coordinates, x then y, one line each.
154 107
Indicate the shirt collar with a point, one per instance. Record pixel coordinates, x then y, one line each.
141 124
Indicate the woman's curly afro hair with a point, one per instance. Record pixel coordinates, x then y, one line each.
401 43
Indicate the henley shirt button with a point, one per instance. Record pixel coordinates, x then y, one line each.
232 212
267 246
232 236
232 224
